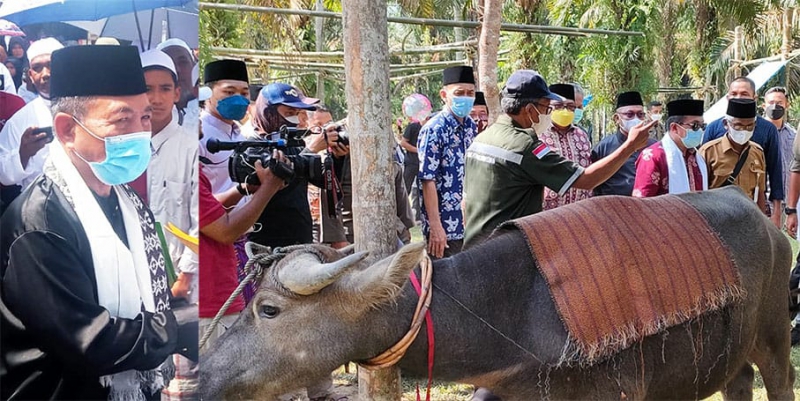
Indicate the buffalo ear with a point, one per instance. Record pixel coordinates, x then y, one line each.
382 281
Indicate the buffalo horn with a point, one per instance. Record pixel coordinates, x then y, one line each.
310 279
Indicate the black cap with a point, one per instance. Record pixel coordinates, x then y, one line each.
480 100
461 74
566 91
96 71
742 108
528 84
685 107
225 69
629 99
254 90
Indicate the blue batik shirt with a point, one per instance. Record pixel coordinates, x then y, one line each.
442 145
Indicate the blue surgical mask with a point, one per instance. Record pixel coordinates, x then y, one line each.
462 105
127 157
578 116
693 139
233 107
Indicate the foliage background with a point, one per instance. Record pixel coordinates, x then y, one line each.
686 44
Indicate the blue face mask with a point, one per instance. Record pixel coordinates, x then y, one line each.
462 105
233 107
127 157
578 116
693 139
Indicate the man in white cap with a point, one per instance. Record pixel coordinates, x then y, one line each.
188 74
170 184
171 177
181 55
22 152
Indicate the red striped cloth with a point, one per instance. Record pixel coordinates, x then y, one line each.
621 269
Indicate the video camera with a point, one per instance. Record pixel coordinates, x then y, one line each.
241 165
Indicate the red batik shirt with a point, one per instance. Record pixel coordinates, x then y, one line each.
572 145
652 172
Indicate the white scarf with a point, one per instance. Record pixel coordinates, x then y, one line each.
123 276
676 164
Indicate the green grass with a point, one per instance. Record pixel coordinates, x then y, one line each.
346 384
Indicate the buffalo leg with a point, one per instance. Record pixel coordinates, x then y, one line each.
772 357
740 387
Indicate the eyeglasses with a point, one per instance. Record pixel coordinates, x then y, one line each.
562 106
695 126
741 127
629 115
547 111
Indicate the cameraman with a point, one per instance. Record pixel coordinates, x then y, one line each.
287 219
218 231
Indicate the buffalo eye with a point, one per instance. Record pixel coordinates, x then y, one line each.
268 311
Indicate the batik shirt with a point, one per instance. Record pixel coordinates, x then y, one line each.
573 145
442 144
652 172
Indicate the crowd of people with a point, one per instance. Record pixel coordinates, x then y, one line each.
81 122
458 177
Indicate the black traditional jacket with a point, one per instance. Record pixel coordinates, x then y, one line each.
56 341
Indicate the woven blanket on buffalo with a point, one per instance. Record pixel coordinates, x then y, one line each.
620 269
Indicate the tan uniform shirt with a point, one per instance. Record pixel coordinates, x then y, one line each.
721 159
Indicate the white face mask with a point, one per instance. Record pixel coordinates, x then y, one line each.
628 124
543 124
740 136
656 117
292 119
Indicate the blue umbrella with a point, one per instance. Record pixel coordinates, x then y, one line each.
29 12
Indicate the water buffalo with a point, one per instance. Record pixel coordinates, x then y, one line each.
318 309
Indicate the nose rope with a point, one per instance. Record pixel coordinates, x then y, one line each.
258 257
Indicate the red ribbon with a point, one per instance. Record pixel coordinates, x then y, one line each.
429 325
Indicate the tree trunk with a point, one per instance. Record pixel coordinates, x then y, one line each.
459 32
666 49
366 63
320 39
487 48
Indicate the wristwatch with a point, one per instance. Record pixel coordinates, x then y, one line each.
241 189
789 210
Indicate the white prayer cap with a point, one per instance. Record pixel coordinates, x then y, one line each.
203 94
157 58
106 41
42 47
195 74
175 42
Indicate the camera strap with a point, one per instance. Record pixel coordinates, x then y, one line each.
333 190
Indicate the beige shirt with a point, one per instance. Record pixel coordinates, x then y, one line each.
721 159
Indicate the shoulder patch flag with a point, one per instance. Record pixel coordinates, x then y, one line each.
541 151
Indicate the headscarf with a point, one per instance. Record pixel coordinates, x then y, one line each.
22 42
265 117
17 77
